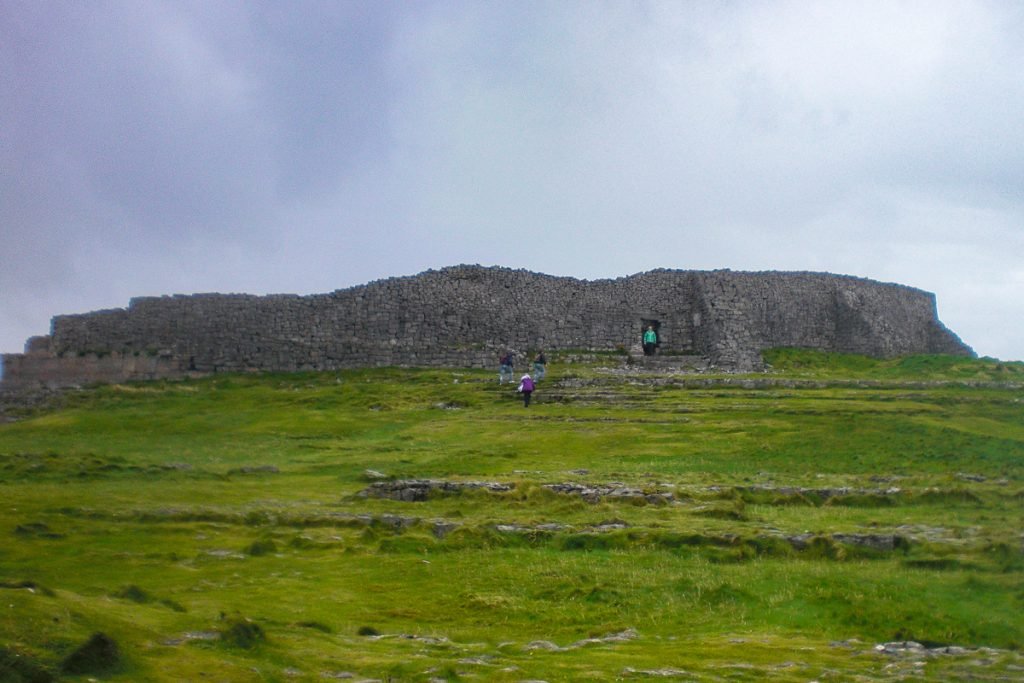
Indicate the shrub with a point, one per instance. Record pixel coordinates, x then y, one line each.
19 667
97 655
261 547
133 593
242 633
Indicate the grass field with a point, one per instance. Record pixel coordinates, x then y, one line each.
836 518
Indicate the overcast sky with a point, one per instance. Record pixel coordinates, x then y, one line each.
151 147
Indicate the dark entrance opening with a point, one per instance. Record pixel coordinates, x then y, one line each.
648 325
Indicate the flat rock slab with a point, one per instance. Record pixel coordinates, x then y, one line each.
413 490
594 493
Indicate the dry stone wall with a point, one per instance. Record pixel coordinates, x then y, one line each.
464 316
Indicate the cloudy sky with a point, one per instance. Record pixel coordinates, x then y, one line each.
155 147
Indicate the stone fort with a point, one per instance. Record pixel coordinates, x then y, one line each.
464 316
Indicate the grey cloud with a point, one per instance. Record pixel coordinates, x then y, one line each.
262 146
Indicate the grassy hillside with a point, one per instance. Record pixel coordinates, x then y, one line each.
800 524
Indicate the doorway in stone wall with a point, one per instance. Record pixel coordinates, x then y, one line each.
655 325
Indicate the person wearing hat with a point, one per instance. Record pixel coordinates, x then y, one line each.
526 388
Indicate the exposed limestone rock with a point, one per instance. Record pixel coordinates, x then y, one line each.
885 542
428 640
522 528
441 528
190 636
658 673
594 493
910 648
412 490
621 637
872 541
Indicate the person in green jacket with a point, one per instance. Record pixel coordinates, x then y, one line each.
650 341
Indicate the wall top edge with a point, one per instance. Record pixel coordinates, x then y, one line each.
463 270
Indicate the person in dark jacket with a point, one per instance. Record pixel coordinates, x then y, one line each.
505 368
540 366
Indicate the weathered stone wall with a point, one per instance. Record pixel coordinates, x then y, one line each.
37 369
465 315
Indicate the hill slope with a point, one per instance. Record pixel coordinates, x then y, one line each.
423 525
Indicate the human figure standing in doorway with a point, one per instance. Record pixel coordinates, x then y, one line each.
650 341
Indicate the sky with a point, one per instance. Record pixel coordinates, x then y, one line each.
150 147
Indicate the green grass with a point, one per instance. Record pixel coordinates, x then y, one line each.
934 367
218 528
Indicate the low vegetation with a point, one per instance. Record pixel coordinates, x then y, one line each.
833 518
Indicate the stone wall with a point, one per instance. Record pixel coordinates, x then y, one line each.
464 316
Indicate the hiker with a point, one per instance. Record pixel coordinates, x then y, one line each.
650 341
505 368
526 388
539 366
